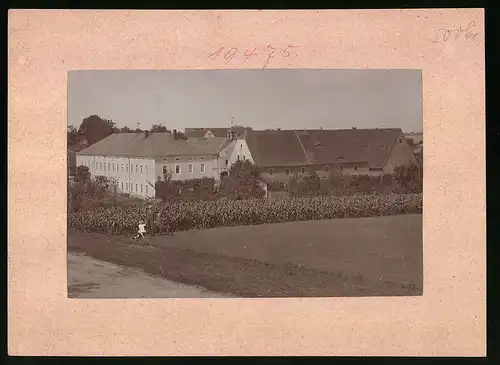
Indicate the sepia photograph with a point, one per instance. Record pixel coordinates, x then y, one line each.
244 183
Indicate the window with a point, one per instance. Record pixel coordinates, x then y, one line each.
126 186
400 140
271 172
177 169
244 158
227 162
105 166
113 166
355 167
122 167
190 168
92 165
202 158
146 169
341 167
136 188
190 159
146 189
121 185
165 171
177 159
100 166
136 168
238 157
141 169
303 170
109 166
141 188
287 171
202 167
127 167
131 168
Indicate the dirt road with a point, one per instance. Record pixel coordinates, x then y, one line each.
91 278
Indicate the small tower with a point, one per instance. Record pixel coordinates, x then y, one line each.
231 133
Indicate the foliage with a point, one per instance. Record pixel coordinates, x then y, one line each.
410 141
309 185
184 215
83 188
242 182
277 186
95 128
158 128
409 178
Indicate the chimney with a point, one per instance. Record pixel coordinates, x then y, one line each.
146 134
175 133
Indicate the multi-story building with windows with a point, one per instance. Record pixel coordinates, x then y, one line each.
133 162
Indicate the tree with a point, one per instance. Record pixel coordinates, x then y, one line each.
310 184
158 128
409 178
242 182
95 128
125 130
410 141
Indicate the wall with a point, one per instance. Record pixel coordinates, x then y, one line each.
210 162
280 172
401 154
240 151
124 172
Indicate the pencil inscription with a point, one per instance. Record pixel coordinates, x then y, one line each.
445 34
265 54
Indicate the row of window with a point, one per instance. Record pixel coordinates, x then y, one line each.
303 169
132 188
111 166
191 169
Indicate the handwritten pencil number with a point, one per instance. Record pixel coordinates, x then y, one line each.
214 55
286 51
230 54
271 51
249 54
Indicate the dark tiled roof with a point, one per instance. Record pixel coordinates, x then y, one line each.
156 144
350 145
303 147
275 148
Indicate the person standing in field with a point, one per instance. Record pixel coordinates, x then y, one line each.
159 223
151 220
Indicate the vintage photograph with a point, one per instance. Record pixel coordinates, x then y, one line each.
245 183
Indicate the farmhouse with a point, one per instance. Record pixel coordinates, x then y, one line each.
133 162
280 154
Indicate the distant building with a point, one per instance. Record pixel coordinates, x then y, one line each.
133 162
280 154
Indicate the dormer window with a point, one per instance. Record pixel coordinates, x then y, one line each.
366 146
271 172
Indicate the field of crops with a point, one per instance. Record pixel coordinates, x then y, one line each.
181 216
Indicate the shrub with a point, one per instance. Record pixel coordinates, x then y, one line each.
242 182
183 215
409 178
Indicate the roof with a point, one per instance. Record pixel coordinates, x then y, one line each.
200 132
156 144
275 148
217 132
304 147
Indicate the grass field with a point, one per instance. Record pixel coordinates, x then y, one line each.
339 257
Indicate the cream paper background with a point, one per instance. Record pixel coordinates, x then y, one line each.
449 319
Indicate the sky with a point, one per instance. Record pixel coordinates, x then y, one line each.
261 99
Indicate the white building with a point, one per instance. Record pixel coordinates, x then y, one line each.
133 162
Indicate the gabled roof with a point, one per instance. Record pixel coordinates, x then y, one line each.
156 144
217 132
275 148
305 147
350 145
200 132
